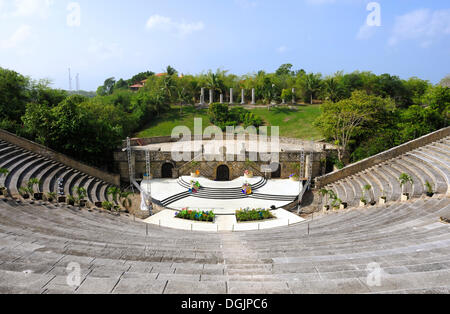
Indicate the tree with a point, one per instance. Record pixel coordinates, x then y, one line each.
445 82
114 191
313 85
140 77
171 71
404 180
344 120
14 95
107 88
333 89
215 82
285 69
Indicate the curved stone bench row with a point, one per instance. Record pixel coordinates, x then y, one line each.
117 256
24 165
427 164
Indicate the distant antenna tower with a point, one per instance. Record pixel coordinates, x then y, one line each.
70 81
78 81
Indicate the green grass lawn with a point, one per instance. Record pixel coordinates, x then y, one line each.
292 123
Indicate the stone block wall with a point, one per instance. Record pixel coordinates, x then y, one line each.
208 169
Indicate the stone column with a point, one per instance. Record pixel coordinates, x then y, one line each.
308 165
221 98
243 97
293 96
211 96
231 96
202 97
253 97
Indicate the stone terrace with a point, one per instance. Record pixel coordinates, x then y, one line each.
38 241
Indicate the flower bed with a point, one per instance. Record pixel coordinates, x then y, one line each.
245 215
194 215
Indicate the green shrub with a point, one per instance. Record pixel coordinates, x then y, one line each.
253 215
107 205
207 216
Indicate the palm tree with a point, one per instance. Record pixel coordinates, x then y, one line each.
313 84
404 179
214 81
80 192
169 86
114 191
333 89
183 98
324 193
31 183
3 173
367 188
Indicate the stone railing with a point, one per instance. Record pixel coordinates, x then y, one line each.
58 157
380 158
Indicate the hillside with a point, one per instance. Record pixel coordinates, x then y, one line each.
295 123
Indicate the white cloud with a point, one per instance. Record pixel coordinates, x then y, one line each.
105 51
32 8
26 8
17 38
165 24
424 25
282 49
366 32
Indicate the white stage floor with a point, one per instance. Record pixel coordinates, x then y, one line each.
173 195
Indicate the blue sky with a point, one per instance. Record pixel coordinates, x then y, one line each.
42 38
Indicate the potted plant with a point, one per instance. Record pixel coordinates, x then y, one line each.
383 198
404 180
336 203
362 202
50 197
114 191
107 205
325 193
71 200
24 192
81 193
429 187
196 173
367 192
30 185
248 174
3 173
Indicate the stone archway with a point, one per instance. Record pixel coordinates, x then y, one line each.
167 171
223 173
277 174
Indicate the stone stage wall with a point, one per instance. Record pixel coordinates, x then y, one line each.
288 161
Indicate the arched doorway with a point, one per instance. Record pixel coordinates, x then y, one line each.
277 174
167 171
223 173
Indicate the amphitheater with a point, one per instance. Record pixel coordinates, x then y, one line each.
397 247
